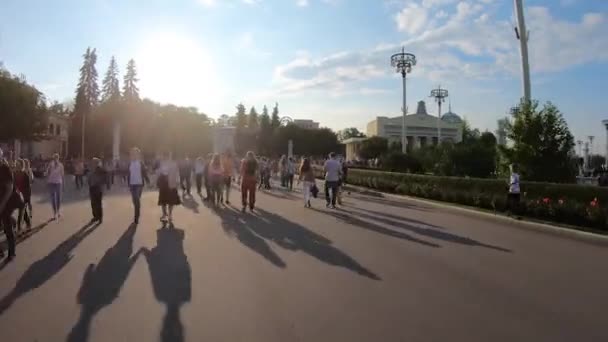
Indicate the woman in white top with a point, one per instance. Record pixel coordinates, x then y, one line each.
168 179
54 178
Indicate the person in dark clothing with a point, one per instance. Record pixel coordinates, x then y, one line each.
98 177
6 210
23 185
206 179
185 175
249 176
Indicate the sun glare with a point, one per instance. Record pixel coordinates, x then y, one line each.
175 69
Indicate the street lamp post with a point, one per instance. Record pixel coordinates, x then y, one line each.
403 63
439 95
523 36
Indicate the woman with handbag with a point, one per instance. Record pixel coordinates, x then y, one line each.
307 175
22 184
167 181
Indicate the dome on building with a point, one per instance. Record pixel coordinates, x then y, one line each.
451 117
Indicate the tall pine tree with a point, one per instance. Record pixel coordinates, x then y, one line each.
253 119
130 91
110 85
275 121
87 97
265 136
241 116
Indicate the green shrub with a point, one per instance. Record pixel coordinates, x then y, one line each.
572 204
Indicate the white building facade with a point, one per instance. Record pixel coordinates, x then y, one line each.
304 123
421 128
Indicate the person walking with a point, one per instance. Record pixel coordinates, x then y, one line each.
249 177
283 170
185 175
228 168
199 173
307 176
216 174
110 166
168 179
23 185
514 191
6 210
332 169
97 179
206 177
54 177
291 171
137 177
79 173
30 175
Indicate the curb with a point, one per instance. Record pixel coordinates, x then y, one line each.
539 226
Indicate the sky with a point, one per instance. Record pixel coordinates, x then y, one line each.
326 60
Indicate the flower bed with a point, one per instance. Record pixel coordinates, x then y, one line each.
577 205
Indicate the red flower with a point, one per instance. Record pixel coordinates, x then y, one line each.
546 200
594 203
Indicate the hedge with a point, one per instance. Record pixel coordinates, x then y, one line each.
578 205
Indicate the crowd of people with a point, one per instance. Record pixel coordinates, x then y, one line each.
216 173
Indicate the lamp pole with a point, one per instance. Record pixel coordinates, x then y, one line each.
439 95
403 63
523 36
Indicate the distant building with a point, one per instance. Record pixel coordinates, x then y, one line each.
304 123
420 127
353 146
55 140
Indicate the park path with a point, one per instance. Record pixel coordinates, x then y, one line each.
378 269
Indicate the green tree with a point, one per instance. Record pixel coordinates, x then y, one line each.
110 90
253 119
265 135
543 146
87 97
241 116
130 91
23 114
373 147
350 132
275 119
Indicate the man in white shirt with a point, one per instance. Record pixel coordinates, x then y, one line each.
138 176
333 170
513 197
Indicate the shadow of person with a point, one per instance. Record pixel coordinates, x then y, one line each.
293 236
233 225
171 279
44 269
101 283
190 203
21 237
430 231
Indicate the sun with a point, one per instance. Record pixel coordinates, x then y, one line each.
175 69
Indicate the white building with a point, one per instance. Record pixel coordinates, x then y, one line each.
54 141
304 123
420 127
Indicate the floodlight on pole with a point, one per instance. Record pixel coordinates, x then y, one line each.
439 95
403 63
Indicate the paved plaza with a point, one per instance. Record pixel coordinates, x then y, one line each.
377 269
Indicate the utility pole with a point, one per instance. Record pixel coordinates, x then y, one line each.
523 36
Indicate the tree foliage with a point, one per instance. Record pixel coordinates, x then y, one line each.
348 133
373 147
130 90
253 122
23 113
110 89
275 120
542 144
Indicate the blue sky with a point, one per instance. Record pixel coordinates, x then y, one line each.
326 60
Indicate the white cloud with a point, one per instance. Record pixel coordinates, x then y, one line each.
471 44
302 3
411 19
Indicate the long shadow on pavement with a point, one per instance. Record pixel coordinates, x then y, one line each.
389 202
427 230
189 202
44 269
295 237
234 225
391 216
347 217
101 283
171 279
25 234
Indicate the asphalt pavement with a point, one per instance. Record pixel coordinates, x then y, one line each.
375 269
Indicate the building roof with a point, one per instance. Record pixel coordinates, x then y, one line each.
451 117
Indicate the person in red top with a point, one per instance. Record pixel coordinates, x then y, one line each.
249 177
23 185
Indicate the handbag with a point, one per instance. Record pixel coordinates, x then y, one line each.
314 190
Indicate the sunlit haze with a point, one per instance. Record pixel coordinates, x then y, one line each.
320 59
